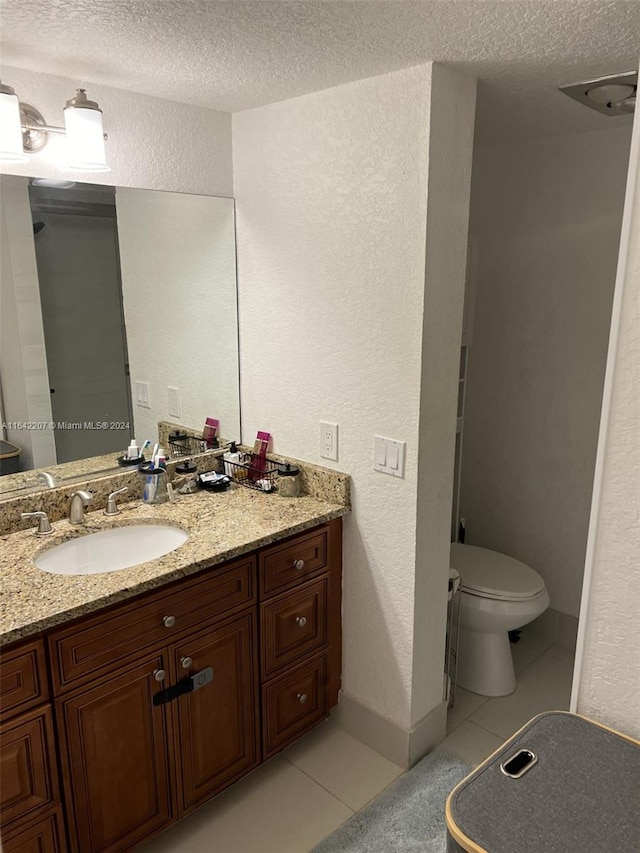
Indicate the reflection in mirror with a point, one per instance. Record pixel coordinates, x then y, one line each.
118 309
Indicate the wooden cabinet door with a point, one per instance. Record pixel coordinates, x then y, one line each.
114 756
28 773
216 727
44 835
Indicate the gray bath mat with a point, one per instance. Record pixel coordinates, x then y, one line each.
406 818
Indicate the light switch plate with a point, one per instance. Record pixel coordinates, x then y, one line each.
143 398
329 440
388 456
173 398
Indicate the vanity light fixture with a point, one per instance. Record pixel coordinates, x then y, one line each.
23 129
10 132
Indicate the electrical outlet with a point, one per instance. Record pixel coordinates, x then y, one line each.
173 396
329 441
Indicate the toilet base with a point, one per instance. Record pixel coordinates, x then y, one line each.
485 664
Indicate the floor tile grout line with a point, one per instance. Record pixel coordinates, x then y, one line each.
490 732
468 716
320 785
382 790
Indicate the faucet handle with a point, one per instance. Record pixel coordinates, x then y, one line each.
112 506
44 525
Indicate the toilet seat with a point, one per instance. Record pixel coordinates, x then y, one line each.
489 574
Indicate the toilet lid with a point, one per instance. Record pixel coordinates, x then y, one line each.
493 575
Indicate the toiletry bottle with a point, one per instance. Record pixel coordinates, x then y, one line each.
210 432
230 459
259 455
133 451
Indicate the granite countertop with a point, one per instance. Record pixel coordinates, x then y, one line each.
220 526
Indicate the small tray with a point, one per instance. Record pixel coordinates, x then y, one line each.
219 485
125 462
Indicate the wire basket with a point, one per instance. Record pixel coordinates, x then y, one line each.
181 444
252 474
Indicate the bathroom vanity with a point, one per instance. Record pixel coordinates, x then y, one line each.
131 698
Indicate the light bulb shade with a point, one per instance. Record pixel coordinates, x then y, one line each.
10 127
85 139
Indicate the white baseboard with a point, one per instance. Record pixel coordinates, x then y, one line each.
399 745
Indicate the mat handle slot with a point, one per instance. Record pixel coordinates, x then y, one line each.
519 763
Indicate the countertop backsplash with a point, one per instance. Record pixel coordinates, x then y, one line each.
321 483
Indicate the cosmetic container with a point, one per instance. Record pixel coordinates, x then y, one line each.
289 481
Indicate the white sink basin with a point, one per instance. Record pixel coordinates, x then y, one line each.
111 550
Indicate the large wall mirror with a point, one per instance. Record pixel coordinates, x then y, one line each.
118 309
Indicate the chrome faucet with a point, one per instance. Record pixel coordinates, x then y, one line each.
79 500
48 479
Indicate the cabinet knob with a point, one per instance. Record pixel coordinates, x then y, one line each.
298 564
301 621
169 621
159 674
186 662
302 698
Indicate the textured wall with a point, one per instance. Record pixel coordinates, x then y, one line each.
153 143
609 679
545 219
450 151
331 213
178 262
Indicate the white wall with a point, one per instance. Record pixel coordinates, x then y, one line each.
607 676
25 381
450 156
331 215
545 219
331 196
152 143
178 265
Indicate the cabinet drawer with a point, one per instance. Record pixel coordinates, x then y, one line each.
45 835
23 679
293 704
28 778
111 639
284 566
293 625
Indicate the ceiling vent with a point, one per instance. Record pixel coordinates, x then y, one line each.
614 95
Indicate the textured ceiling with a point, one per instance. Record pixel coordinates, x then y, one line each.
234 55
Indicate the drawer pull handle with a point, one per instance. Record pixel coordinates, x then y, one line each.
169 621
159 674
186 662
301 620
298 564
302 698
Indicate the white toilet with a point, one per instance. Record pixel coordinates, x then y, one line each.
497 594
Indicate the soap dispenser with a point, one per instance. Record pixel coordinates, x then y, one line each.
230 459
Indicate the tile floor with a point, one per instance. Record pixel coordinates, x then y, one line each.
292 802
477 725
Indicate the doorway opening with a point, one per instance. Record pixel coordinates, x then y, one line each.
76 245
544 235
